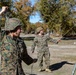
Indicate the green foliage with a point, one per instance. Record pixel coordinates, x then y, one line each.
23 12
18 8
5 3
57 15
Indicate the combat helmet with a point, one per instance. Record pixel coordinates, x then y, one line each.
39 29
12 23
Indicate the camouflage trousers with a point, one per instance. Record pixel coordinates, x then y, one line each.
43 54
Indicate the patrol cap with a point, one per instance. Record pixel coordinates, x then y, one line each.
38 29
12 23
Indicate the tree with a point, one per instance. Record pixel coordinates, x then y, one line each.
24 10
5 2
57 14
19 8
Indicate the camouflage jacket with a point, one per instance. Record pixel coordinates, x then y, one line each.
8 56
0 36
22 56
42 42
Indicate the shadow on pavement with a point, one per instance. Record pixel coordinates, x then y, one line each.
59 65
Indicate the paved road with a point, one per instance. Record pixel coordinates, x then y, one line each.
27 35
62 60
57 47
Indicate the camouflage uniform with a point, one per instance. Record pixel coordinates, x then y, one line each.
8 56
42 47
0 35
9 51
22 55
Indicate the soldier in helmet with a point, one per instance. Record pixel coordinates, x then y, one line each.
42 47
19 50
9 53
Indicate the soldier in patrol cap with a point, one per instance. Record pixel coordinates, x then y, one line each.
40 41
9 53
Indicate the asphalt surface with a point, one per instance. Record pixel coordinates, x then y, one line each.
62 61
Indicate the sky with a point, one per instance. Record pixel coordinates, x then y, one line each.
35 18
75 7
